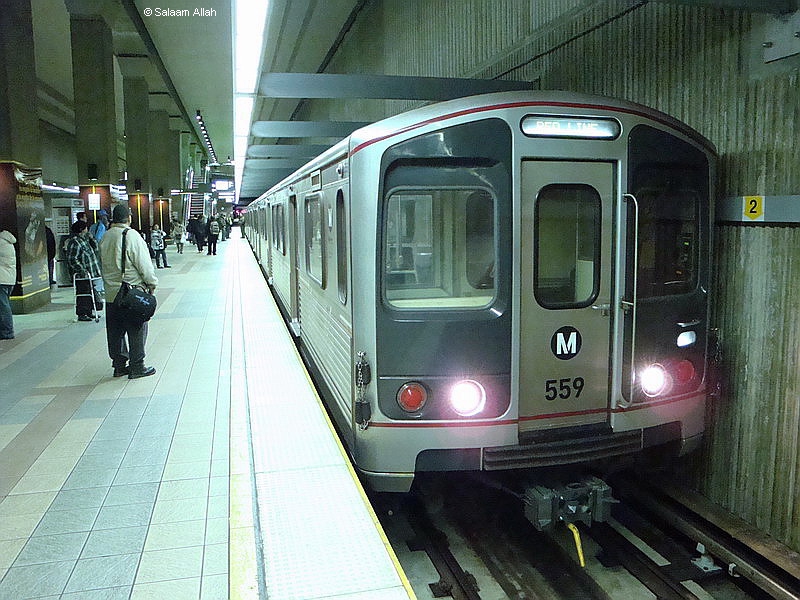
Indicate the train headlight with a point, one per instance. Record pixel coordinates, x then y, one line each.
467 398
412 396
654 380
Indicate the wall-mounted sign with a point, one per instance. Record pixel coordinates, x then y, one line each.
758 210
570 127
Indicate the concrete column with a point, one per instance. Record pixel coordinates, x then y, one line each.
19 118
137 136
21 204
159 155
95 111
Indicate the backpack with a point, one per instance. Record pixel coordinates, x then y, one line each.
213 228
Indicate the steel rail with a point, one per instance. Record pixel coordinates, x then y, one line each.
743 556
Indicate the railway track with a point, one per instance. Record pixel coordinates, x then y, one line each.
480 546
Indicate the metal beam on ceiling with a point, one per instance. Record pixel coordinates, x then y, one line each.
776 7
274 163
286 150
395 87
304 129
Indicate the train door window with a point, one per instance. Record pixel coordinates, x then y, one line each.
314 239
439 248
341 248
567 234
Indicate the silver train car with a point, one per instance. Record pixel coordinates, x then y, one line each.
507 281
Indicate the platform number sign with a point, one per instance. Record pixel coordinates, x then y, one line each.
753 208
566 343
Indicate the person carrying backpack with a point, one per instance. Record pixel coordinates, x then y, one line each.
213 235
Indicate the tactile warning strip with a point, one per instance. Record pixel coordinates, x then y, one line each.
320 539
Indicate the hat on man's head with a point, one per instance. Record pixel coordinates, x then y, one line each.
121 213
102 213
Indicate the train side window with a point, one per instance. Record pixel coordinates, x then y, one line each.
439 248
341 248
314 239
567 234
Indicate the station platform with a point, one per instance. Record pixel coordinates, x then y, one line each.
218 477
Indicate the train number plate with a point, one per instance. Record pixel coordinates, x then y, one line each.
565 388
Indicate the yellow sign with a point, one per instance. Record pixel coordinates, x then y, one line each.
753 207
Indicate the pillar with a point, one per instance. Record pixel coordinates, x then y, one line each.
21 203
95 110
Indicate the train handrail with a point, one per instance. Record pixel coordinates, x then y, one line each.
631 306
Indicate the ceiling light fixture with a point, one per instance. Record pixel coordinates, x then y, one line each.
206 137
248 47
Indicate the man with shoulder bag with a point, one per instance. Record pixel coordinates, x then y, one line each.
125 333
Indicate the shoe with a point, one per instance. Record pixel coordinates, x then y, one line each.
121 371
157 267
7 337
84 318
167 267
144 372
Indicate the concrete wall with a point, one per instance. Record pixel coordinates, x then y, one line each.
704 67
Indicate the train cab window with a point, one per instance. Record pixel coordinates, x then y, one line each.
314 239
669 179
439 248
567 248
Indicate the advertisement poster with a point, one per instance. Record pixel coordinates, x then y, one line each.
22 213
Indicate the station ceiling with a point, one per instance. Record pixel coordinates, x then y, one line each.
188 64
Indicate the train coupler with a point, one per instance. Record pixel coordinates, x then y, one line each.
584 501
363 377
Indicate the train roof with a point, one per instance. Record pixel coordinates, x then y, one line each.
567 102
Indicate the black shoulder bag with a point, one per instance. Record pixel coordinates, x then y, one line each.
138 304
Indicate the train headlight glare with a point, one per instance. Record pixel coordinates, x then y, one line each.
467 398
653 379
412 396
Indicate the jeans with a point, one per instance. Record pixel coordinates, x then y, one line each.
161 255
120 350
6 321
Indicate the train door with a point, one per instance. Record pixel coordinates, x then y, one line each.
294 266
566 273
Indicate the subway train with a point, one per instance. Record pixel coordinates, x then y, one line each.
516 280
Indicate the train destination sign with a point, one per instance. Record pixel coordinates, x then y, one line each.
571 127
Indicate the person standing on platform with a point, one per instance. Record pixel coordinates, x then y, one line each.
84 264
213 235
158 245
8 279
51 252
99 227
200 233
178 230
126 339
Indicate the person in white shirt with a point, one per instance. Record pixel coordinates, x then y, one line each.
126 339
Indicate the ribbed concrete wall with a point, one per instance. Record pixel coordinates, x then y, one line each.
701 66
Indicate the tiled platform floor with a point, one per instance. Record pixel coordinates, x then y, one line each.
211 480
116 488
